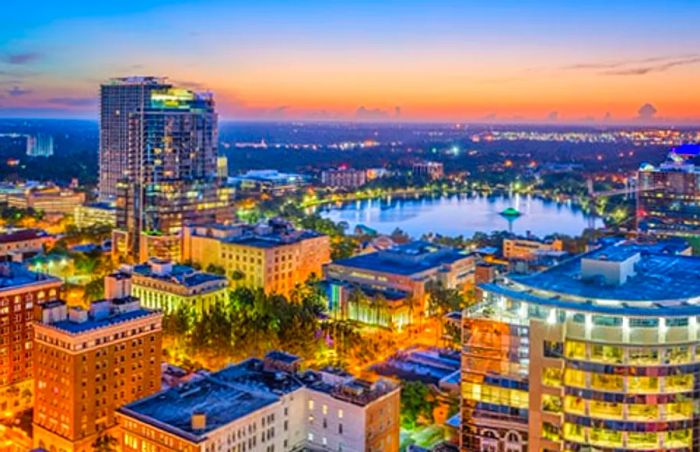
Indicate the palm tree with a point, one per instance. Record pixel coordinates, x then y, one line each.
105 443
380 306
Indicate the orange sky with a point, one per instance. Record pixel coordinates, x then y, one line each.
441 60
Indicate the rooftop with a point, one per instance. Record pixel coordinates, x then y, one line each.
408 259
22 235
270 176
183 275
662 284
13 275
272 239
101 205
237 391
220 401
91 323
136 80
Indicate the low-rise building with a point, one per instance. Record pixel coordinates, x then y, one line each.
20 291
344 177
152 244
266 405
88 363
530 247
273 256
95 214
18 244
428 170
49 199
268 181
668 195
166 286
388 287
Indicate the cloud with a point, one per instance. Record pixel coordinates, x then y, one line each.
647 112
370 113
73 101
617 63
17 91
638 66
21 57
279 112
659 67
553 116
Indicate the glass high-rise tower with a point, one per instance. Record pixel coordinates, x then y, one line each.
167 163
119 99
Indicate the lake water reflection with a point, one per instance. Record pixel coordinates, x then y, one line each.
462 214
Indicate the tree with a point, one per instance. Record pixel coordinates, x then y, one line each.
442 300
216 269
105 443
94 290
417 404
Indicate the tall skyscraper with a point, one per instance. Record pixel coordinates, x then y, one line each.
162 166
40 145
119 98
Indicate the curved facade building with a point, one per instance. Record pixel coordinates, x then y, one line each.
599 353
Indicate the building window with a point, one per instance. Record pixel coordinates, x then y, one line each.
553 349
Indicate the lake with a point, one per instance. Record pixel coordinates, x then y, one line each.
461 214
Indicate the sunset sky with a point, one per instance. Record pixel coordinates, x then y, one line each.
507 61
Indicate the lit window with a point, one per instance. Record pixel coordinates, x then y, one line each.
551 376
573 349
551 403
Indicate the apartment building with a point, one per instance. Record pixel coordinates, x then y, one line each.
266 405
87 363
600 352
20 291
273 256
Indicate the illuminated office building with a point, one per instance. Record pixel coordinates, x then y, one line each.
50 199
668 200
601 352
171 171
95 214
40 145
389 287
119 99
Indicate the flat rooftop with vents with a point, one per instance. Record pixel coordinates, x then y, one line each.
626 278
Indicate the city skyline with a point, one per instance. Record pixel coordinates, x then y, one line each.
410 61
